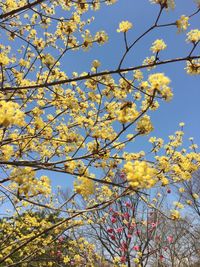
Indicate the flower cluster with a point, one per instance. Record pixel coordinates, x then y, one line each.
193 36
160 83
84 186
175 215
140 174
144 126
165 3
26 184
127 113
124 26
193 67
158 46
10 114
182 24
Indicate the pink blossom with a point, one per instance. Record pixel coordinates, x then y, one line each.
116 213
153 225
123 259
110 230
59 253
170 239
161 257
124 246
136 248
132 226
122 175
138 232
126 215
112 237
113 220
127 204
119 230
122 249
60 239
157 238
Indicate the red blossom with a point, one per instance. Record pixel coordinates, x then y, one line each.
113 220
119 230
136 248
112 237
170 239
123 259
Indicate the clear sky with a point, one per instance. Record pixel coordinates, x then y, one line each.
185 105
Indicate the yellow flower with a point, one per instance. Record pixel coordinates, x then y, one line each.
144 126
178 205
195 196
165 3
4 60
189 202
160 82
10 114
101 37
181 190
193 67
164 181
84 186
136 260
158 45
96 64
182 24
66 259
124 26
193 36
175 215
139 174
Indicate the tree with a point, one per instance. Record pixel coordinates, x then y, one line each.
129 232
189 193
54 119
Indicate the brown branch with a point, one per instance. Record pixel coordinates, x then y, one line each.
22 8
107 72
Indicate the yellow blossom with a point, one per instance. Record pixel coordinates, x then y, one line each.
182 24
195 196
158 45
140 174
66 259
193 36
10 114
165 3
181 190
144 126
193 67
84 186
175 215
124 26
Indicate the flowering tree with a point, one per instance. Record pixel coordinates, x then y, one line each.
131 233
189 193
54 120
